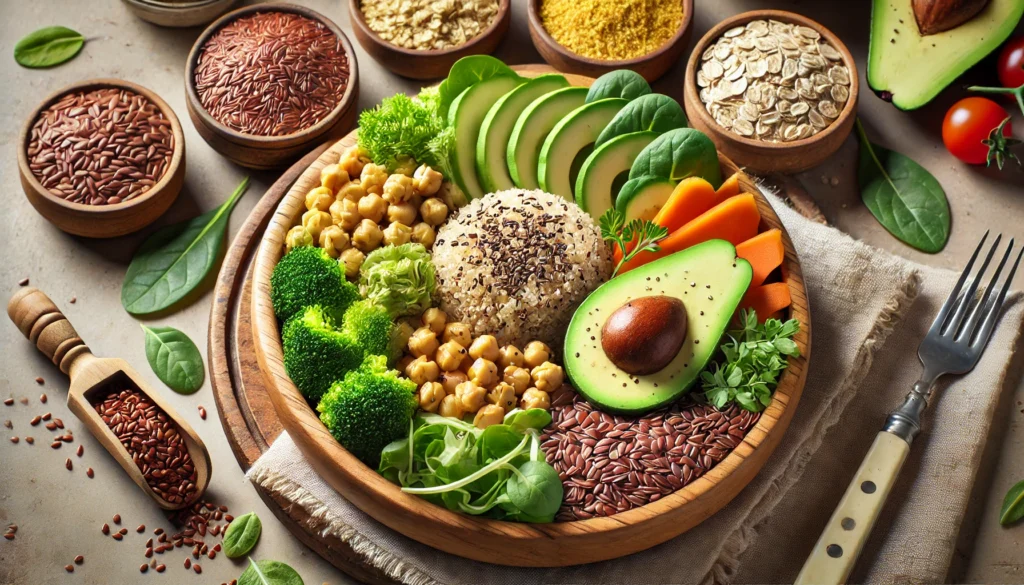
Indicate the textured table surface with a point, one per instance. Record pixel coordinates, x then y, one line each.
59 513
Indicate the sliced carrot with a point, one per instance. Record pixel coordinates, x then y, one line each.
690 198
729 188
767 299
734 220
764 252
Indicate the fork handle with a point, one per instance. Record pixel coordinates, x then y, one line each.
847 530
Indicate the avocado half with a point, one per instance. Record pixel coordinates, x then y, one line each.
710 281
910 69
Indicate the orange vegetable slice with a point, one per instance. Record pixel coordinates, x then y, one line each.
730 188
690 198
764 252
767 299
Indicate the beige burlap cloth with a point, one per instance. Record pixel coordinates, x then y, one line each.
870 311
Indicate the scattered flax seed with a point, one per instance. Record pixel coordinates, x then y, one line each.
202 412
47 416
42 398
23 282
8 424
68 464
123 531
73 300
79 560
161 568
56 445
70 568
35 420
198 569
188 563
9 535
117 536
14 440
143 568
59 423
40 380
81 449
51 426
90 472
23 400
141 528
9 401
105 529
30 440
117 518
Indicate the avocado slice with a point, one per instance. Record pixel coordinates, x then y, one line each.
532 127
910 69
570 142
710 281
466 115
606 169
492 146
643 197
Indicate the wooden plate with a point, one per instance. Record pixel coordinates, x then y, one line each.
523 545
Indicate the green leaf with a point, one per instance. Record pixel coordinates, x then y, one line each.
653 112
536 489
621 83
1013 505
532 418
48 46
904 197
269 573
467 72
175 359
677 155
241 535
176 259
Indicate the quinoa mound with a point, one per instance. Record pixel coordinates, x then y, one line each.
516 264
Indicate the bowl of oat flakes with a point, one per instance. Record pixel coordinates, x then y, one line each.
774 90
421 39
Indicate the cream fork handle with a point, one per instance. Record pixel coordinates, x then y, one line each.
847 530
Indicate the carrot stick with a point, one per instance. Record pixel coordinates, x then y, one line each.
764 252
730 188
690 198
767 299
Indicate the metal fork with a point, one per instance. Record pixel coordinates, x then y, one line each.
953 345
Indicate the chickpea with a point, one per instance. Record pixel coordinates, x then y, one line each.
457 332
404 362
503 395
451 380
345 214
435 319
367 236
334 240
547 376
333 177
536 353
405 165
352 260
426 181
373 207
483 372
451 407
424 234
434 211
297 237
430 396
353 191
534 398
467 362
489 415
373 178
319 198
485 346
518 378
421 370
510 356
353 160
402 213
397 189
423 342
452 195
449 356
315 221
397 234
471 396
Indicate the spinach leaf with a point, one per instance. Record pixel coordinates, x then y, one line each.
241 535
497 440
678 154
533 418
465 73
621 83
48 46
904 197
269 573
175 359
1013 505
535 489
176 259
655 112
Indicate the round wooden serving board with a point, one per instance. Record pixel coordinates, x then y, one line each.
246 403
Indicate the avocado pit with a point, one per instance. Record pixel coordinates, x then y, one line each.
644 335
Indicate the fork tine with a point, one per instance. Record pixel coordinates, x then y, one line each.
967 331
936 327
993 313
972 290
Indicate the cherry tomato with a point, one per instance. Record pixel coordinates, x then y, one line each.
967 123
1011 63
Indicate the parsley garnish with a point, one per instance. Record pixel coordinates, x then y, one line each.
646 233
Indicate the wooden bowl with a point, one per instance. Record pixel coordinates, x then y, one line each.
104 221
427 64
178 14
493 541
755 155
268 152
651 66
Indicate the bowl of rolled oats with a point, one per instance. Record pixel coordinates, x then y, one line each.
775 91
421 39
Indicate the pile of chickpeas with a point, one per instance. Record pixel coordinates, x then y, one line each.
459 375
358 208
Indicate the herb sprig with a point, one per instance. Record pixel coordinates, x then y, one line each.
644 232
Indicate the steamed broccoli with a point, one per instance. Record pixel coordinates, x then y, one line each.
315 354
370 325
370 408
308 276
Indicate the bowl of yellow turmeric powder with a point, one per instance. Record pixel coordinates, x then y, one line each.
593 37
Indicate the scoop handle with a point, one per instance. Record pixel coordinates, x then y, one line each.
43 324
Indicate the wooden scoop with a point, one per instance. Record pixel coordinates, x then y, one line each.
92 379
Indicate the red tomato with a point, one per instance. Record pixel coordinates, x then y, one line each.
1011 63
967 123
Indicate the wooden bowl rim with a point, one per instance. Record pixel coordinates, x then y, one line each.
538 26
690 83
107 209
359 21
178 7
270 142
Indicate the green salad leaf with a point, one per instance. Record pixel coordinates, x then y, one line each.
175 359
269 573
401 127
1013 505
399 278
241 535
48 46
652 112
621 83
465 73
677 155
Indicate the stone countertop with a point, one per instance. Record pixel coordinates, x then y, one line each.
59 512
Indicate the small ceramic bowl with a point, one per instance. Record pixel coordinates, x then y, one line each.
651 66
104 221
270 152
763 156
427 64
182 13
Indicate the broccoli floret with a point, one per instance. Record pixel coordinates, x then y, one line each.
315 354
370 408
370 324
308 276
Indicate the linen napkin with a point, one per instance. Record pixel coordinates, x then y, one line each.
859 298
